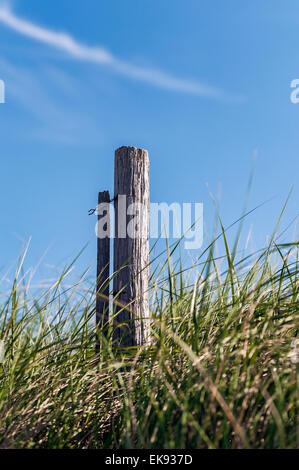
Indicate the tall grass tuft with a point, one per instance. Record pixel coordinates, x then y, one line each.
221 370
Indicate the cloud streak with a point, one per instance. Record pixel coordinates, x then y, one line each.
100 55
47 117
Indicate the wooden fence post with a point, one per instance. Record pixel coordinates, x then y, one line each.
103 265
131 253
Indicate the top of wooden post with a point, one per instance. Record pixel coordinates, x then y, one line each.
130 149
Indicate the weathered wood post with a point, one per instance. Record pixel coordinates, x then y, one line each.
131 247
103 261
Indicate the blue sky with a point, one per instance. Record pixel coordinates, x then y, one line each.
204 86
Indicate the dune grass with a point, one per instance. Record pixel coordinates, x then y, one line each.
221 370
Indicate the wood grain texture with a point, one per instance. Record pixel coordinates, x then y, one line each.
131 255
103 268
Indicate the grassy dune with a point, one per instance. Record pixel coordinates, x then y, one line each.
221 372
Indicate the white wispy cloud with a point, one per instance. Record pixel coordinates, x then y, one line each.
100 55
48 117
